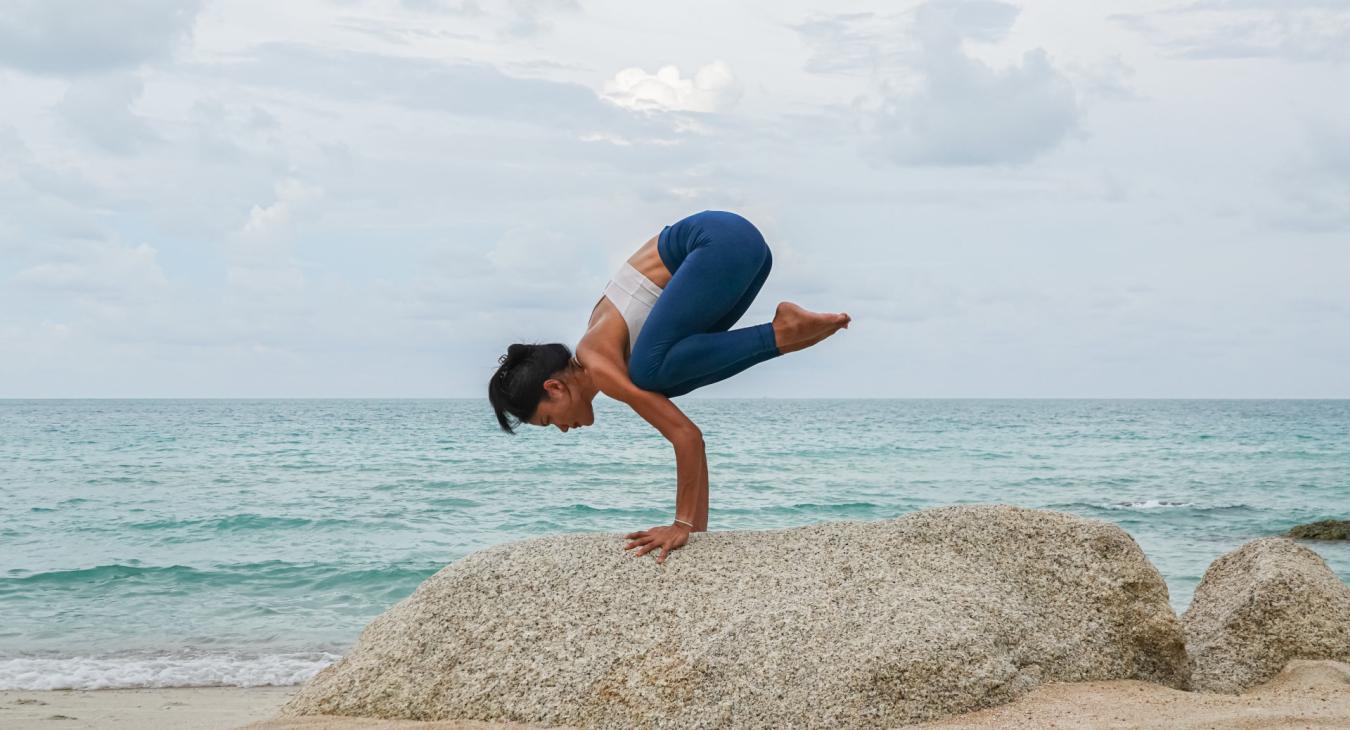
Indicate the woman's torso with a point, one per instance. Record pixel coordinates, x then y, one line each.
607 332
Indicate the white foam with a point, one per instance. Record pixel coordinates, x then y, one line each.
1153 504
161 669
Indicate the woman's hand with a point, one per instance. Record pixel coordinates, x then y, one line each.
669 537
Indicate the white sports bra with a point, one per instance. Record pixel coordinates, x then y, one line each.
634 295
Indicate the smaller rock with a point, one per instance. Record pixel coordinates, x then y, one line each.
1322 530
1259 607
1306 674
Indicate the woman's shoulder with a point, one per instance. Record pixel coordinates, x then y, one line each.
605 363
606 332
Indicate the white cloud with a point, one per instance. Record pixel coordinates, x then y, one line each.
1315 184
621 141
713 88
98 269
530 17
474 90
463 8
966 113
936 104
261 259
269 220
99 108
75 36
1296 30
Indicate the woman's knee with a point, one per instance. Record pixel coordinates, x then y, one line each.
640 379
654 383
643 373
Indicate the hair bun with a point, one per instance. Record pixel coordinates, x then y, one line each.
516 354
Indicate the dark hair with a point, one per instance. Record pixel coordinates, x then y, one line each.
518 385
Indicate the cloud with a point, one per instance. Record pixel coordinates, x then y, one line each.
512 19
261 260
532 17
462 8
76 37
846 43
106 270
267 221
712 88
1294 30
463 88
99 109
1316 182
936 104
969 114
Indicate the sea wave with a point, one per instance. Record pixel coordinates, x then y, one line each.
1149 504
161 669
272 572
239 522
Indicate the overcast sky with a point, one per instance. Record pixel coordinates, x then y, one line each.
347 198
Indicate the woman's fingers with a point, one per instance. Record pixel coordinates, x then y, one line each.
648 540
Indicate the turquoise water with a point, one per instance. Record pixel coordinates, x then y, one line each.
148 543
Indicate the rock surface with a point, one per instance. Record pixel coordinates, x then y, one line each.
1260 606
837 624
1307 695
1323 530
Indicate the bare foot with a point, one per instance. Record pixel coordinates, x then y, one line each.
795 328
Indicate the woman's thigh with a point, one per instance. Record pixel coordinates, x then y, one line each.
738 310
713 285
722 264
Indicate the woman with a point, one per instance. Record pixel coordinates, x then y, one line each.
661 329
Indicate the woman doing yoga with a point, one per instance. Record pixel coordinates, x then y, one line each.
661 329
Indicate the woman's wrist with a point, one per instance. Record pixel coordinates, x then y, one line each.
679 521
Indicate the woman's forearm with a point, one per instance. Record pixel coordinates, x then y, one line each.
691 482
701 524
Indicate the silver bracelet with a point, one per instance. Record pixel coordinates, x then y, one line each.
691 525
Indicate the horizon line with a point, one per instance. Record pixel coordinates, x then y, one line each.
709 398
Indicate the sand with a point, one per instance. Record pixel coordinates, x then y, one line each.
189 708
1307 695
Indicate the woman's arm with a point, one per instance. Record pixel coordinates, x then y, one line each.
691 462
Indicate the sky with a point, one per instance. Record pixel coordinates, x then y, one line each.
353 198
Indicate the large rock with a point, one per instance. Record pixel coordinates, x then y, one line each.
1260 606
838 625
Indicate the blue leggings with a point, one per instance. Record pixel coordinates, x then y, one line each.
718 261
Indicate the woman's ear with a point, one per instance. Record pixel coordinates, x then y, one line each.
553 387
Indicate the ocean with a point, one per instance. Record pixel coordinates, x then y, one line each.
152 543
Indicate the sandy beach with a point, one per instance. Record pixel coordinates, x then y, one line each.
188 708
1307 695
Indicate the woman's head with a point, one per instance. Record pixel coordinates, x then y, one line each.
542 385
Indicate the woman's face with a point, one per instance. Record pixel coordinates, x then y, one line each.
563 407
